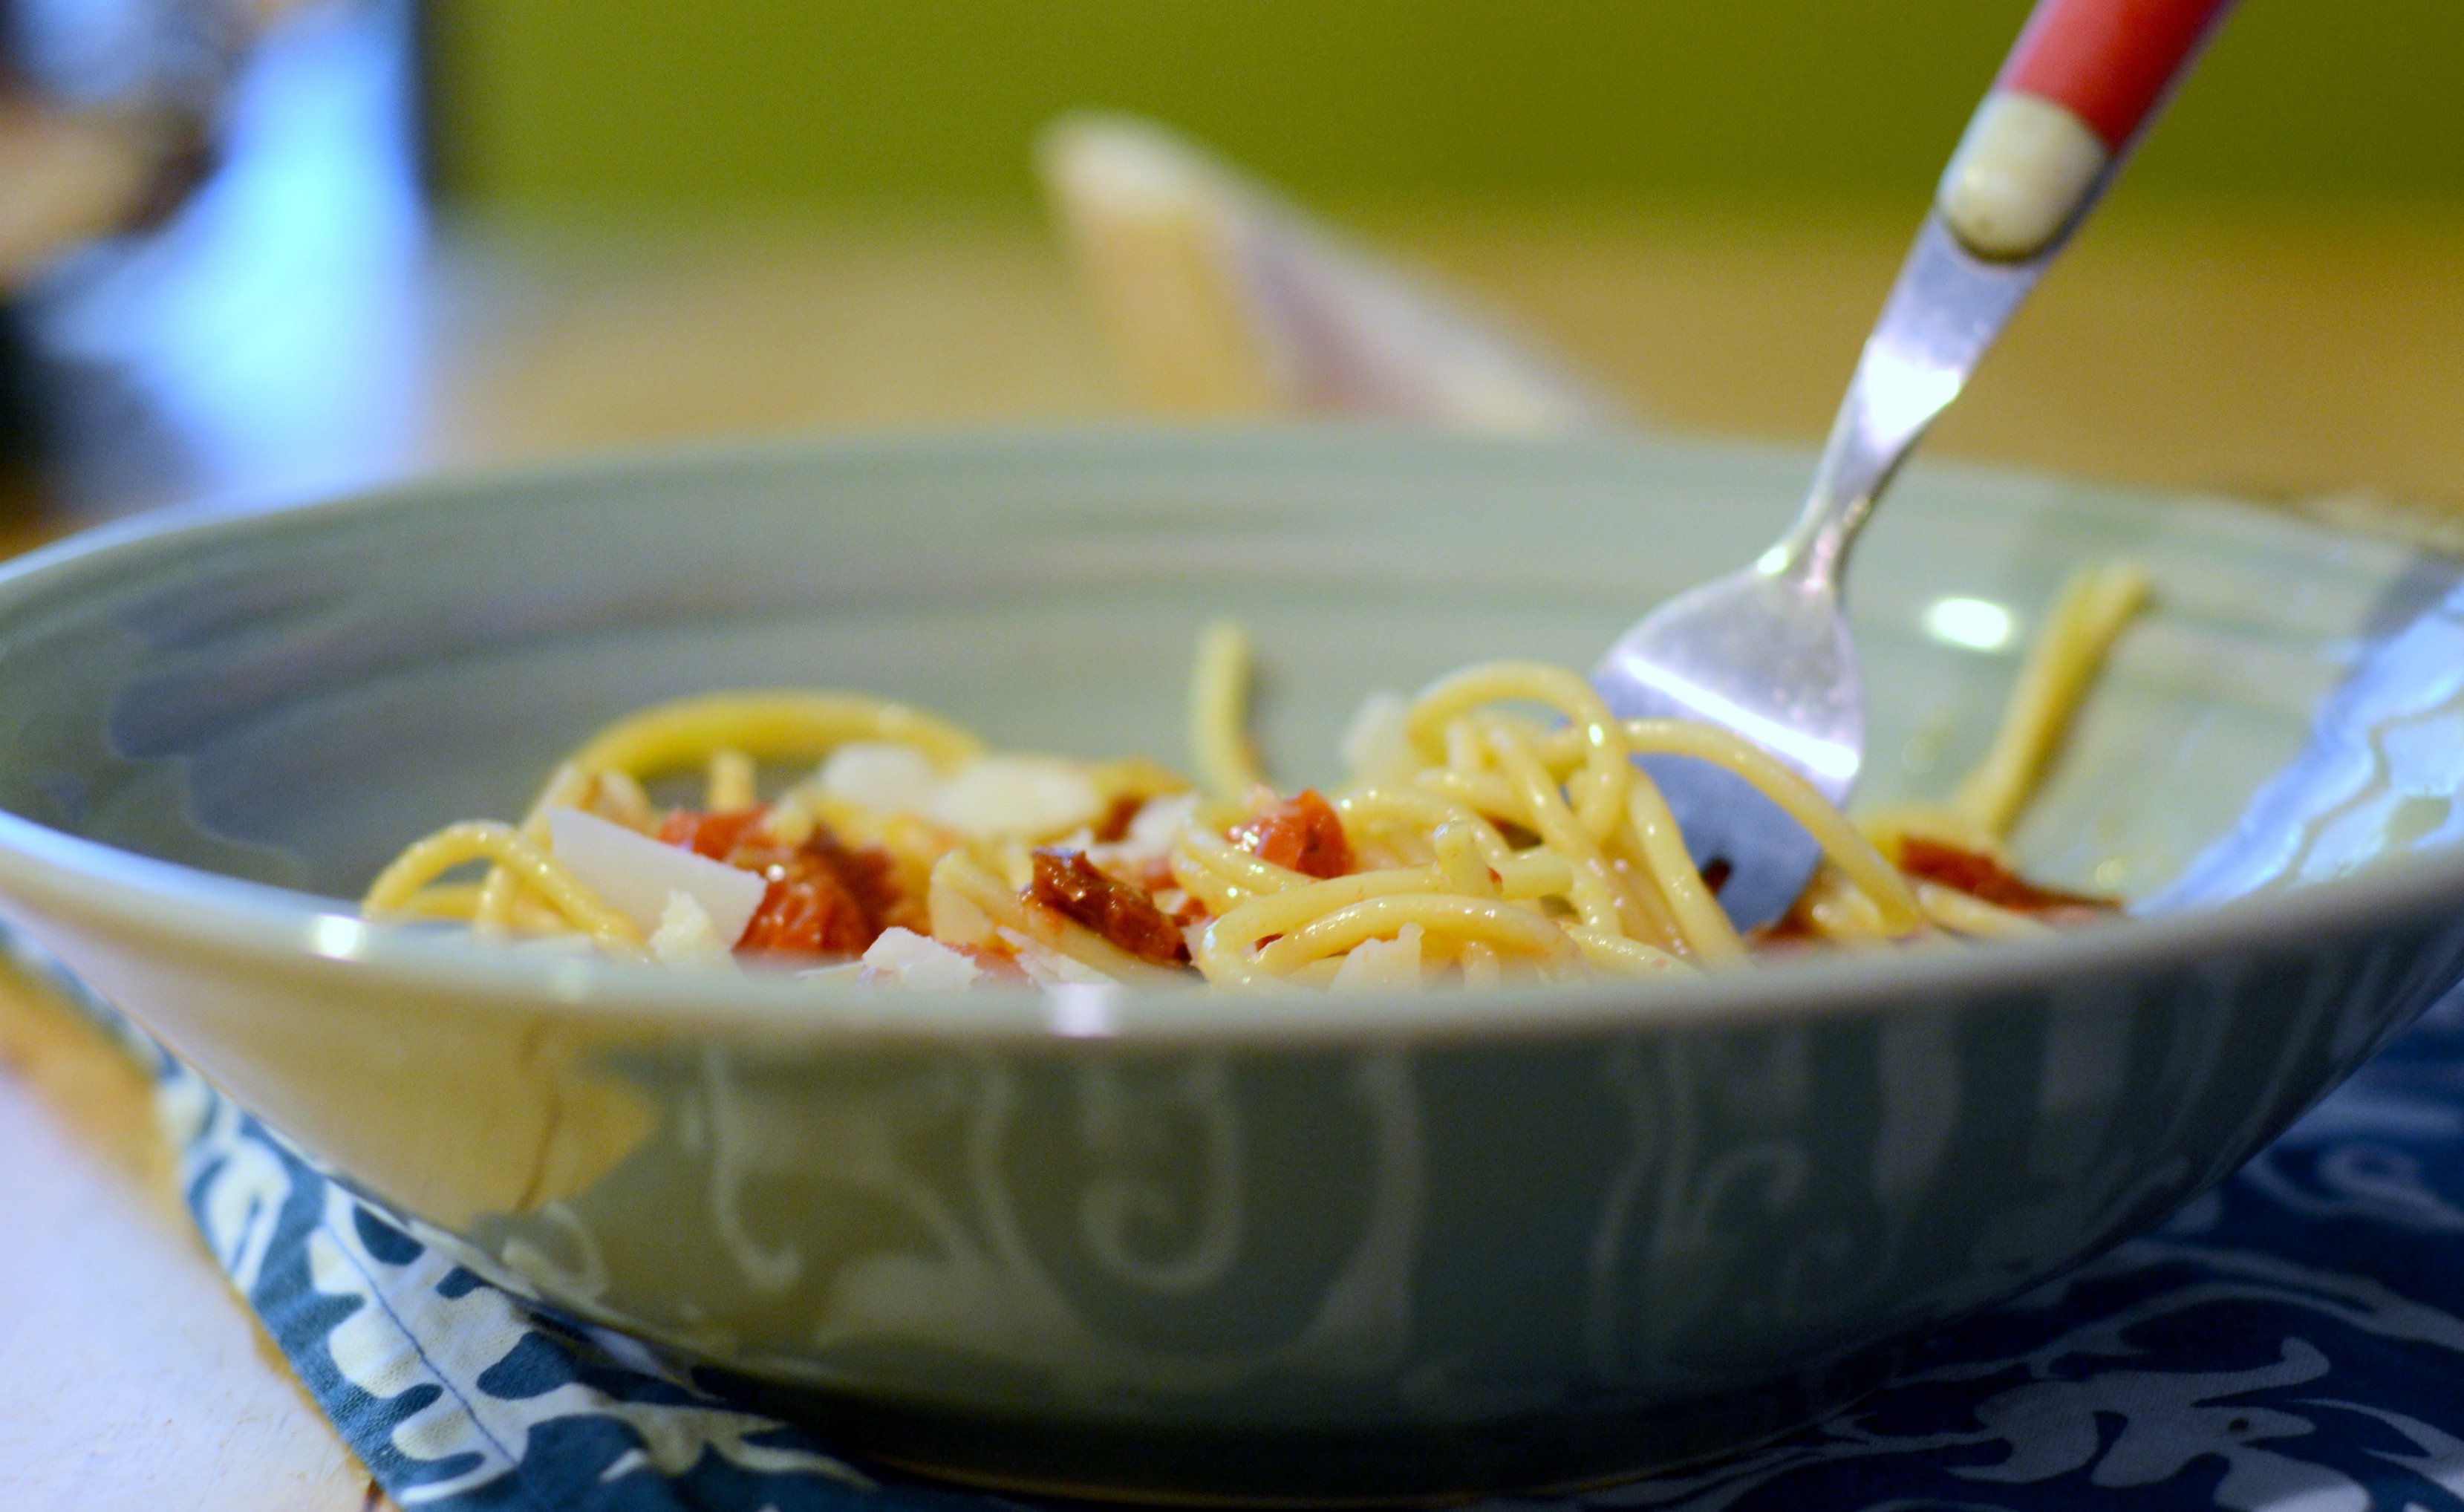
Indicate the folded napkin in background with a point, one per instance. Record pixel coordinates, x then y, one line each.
1226 300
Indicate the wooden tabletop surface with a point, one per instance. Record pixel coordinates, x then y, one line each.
2317 360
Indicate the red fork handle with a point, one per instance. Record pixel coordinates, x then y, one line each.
2082 81
2107 62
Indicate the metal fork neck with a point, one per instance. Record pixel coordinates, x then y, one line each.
1945 310
1857 461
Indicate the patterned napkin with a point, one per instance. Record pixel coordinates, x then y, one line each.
2293 1341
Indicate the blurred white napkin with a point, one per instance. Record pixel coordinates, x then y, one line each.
1228 301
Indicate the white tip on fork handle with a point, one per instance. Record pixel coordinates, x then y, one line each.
2023 169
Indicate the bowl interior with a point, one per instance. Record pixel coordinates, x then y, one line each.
290 697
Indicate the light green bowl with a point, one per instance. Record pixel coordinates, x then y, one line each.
1198 1246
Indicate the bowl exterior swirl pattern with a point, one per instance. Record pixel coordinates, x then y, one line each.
1401 1252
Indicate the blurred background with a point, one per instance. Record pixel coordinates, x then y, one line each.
267 246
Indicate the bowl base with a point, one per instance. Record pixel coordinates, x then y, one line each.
1560 1452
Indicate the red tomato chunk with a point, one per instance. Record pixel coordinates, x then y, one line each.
1071 886
1981 877
1302 834
825 899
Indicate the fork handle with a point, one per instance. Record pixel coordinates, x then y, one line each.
2083 78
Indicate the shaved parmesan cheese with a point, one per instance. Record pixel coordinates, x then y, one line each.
881 775
1045 966
1028 797
1376 965
904 959
686 936
953 915
634 874
1378 744
992 798
617 797
1152 830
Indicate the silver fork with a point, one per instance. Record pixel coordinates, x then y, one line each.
1765 652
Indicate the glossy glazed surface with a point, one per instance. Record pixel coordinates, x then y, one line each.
1381 1248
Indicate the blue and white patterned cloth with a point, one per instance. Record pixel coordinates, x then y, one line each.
2293 1342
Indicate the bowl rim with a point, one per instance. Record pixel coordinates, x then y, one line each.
212 918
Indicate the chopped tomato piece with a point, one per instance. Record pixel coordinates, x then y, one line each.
1982 877
1303 834
809 914
1115 822
824 898
1071 886
1155 876
711 834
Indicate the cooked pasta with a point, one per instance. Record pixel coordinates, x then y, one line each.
1496 827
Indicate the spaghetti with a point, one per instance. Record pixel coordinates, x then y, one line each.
1495 828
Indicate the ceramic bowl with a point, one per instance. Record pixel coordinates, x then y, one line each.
1357 1248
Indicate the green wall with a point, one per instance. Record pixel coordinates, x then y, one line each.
734 107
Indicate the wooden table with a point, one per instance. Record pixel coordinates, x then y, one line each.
2316 361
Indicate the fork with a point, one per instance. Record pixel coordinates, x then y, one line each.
1765 652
